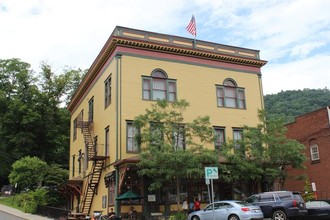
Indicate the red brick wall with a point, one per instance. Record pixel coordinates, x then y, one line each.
314 125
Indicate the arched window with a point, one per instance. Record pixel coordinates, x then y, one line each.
230 95
158 86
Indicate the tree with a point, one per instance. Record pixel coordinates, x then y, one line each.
32 121
308 193
290 104
262 153
28 172
172 148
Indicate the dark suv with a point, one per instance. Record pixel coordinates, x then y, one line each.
279 205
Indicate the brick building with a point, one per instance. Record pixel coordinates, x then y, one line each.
313 131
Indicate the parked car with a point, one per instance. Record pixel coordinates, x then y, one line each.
279 205
228 210
7 190
317 210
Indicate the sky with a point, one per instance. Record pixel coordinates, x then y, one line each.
292 35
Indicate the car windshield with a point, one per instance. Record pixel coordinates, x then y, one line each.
314 204
241 203
252 199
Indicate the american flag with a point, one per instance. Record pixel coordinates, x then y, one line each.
191 28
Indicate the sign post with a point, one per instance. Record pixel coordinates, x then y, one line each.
211 173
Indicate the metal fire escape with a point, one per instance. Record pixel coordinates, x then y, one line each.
93 178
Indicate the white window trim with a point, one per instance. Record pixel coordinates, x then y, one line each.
314 155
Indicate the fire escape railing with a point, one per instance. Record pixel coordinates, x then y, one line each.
93 178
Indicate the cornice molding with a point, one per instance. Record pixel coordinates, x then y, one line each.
145 41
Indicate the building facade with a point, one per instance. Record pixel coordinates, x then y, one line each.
313 131
133 69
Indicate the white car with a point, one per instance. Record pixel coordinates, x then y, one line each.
228 210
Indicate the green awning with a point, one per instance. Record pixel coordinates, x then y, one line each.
128 195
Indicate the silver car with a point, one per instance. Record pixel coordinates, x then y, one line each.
228 210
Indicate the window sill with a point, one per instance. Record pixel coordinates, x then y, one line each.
315 161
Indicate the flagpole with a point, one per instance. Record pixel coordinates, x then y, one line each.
191 28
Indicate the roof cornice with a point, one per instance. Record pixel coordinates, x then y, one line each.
170 44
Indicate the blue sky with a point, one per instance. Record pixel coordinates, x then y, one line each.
292 35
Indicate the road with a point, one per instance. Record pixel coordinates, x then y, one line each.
4 215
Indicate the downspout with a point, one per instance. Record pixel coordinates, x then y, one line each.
118 115
120 102
261 92
328 110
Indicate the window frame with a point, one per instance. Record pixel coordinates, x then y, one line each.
177 143
315 156
229 95
240 131
107 141
148 86
91 110
75 128
156 127
217 147
134 144
107 91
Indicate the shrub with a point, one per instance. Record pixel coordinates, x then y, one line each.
29 201
178 216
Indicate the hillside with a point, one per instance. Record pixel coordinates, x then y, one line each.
292 103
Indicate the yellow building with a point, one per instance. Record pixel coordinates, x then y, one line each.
133 69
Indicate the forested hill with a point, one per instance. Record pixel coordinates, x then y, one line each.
289 104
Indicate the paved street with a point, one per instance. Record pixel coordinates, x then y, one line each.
8 213
7 216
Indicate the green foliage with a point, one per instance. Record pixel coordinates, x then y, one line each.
55 175
178 216
29 201
163 157
263 154
308 193
290 104
28 172
11 201
32 121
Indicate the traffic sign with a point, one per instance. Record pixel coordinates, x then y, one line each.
211 173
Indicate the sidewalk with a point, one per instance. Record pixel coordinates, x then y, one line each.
21 214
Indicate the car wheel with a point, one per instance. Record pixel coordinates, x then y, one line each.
195 217
279 215
233 217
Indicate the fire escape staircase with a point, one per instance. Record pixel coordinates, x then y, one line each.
93 178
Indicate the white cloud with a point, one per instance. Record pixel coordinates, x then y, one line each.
294 36
304 49
310 73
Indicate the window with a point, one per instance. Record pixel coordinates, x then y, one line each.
229 95
107 92
80 119
156 134
131 142
73 163
179 137
75 129
158 86
267 197
106 141
314 152
80 156
91 110
238 135
95 145
112 187
219 137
